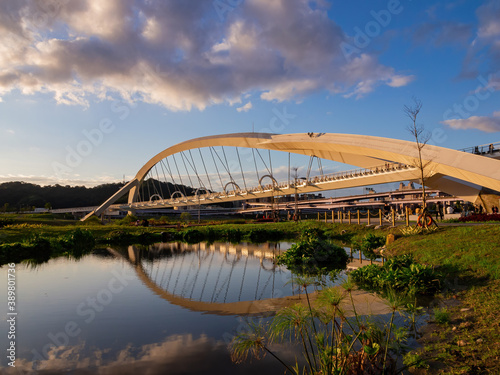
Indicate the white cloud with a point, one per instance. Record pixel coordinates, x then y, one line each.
489 124
10 131
245 108
179 54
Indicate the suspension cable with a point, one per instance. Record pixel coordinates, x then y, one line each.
185 167
217 168
241 168
206 172
180 178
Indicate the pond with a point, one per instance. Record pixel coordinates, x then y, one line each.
170 308
167 308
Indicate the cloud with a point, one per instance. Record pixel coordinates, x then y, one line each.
245 108
483 54
180 354
489 124
179 54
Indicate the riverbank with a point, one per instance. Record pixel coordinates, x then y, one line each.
464 341
464 336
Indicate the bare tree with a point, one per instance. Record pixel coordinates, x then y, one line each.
421 138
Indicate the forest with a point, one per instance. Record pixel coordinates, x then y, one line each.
20 196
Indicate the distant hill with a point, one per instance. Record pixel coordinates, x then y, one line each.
22 195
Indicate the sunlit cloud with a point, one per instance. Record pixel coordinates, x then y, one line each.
179 54
245 108
489 124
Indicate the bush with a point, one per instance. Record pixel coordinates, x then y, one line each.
185 217
368 244
480 217
401 274
442 316
192 236
312 255
127 220
93 220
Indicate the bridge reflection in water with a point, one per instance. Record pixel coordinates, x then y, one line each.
220 278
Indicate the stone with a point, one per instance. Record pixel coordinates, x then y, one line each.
461 343
479 341
465 309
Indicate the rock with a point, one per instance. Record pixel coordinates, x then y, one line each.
461 343
479 341
454 328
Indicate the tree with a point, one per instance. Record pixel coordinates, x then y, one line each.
421 138
48 206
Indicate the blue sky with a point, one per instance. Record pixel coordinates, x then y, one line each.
131 78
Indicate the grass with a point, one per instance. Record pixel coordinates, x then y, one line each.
462 248
470 341
442 316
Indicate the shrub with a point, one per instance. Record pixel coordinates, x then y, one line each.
192 236
442 316
401 274
185 217
93 220
312 255
127 220
480 217
368 244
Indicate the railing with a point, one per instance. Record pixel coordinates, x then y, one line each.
483 149
327 178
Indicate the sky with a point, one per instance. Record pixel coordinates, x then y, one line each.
90 90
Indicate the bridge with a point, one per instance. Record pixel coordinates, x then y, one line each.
252 166
223 278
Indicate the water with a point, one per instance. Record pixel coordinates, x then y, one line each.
171 308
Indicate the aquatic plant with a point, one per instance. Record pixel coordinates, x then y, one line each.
331 342
313 255
401 274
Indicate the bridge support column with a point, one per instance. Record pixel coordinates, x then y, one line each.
488 199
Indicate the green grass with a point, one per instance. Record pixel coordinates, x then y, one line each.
442 316
471 256
467 248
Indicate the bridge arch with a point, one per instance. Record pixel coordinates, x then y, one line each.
275 183
456 172
231 183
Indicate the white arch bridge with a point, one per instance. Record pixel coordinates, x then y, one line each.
247 166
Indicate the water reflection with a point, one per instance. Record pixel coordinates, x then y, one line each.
219 278
177 354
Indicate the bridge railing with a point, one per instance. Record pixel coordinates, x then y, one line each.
326 178
482 149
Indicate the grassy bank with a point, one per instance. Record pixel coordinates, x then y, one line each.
464 337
